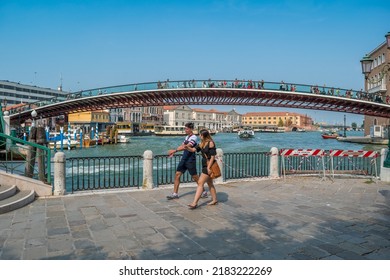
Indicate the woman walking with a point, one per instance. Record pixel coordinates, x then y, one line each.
208 149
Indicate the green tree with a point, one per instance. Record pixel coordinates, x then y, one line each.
288 122
280 124
354 126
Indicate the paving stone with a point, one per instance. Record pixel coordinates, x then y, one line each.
296 218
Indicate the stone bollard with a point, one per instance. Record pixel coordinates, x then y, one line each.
7 130
219 180
59 174
274 163
147 182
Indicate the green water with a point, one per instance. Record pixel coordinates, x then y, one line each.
228 142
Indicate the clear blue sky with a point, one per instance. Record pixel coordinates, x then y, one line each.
101 43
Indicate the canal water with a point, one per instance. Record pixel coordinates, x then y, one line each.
228 142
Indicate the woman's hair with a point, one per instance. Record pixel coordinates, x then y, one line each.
206 138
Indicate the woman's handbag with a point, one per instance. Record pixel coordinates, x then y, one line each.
215 171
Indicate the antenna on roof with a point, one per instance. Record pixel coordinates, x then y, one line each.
60 87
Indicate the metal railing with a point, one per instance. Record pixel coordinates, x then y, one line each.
14 158
241 84
165 169
246 165
91 173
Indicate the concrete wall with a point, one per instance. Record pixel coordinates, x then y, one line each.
24 183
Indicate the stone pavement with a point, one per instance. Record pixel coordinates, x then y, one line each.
297 218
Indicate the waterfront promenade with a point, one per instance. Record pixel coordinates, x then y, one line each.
297 218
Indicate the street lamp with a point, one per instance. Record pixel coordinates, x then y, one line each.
33 115
366 65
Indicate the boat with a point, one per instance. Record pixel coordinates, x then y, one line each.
330 135
123 139
57 144
271 129
169 130
134 129
246 133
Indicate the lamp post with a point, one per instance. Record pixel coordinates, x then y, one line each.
33 115
366 69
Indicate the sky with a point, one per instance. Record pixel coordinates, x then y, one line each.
97 43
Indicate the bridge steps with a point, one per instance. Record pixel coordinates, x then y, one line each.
11 198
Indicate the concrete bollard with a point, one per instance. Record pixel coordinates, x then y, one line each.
274 163
219 180
59 174
147 182
7 130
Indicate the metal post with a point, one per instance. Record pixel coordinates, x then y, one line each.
62 138
345 128
69 136
97 135
81 138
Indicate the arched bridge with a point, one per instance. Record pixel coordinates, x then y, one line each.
212 92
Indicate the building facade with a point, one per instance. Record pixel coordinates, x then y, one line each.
377 81
15 93
281 119
88 120
152 114
210 119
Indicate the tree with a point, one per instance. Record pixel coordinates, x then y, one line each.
354 126
288 122
280 124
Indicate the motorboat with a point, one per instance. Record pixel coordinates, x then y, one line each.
169 130
246 133
123 139
330 135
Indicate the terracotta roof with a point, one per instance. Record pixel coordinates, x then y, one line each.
170 107
13 106
206 111
272 114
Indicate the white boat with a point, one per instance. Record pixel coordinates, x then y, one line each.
271 129
135 129
246 133
169 130
57 144
123 139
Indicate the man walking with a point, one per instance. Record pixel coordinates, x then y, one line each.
187 162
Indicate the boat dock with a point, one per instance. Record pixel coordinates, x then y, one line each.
364 140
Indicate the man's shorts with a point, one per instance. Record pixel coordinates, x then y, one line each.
189 165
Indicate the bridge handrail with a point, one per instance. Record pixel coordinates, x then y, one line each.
35 145
286 86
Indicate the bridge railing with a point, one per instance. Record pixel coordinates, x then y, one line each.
240 84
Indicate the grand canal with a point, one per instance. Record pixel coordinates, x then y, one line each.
228 142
